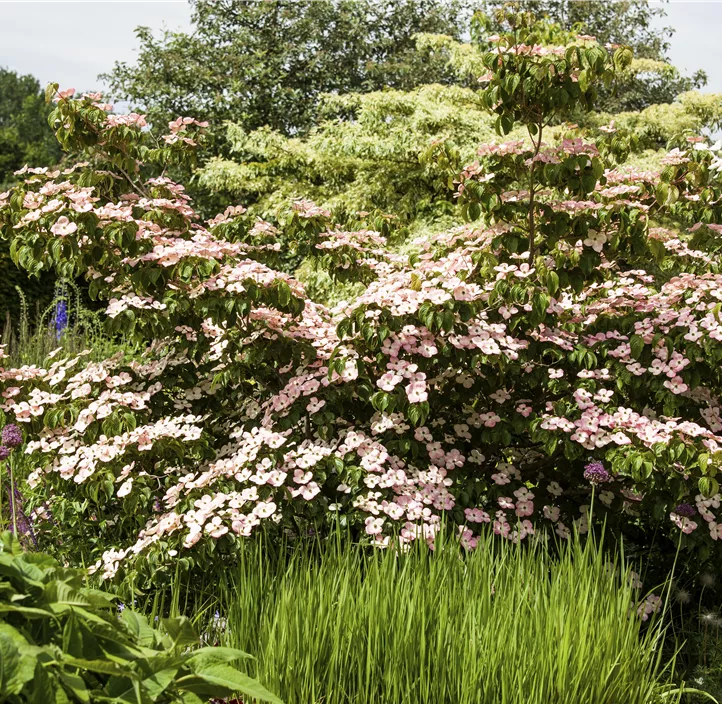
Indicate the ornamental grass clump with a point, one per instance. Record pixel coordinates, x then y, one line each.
337 623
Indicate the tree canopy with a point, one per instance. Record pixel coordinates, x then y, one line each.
266 62
629 22
25 136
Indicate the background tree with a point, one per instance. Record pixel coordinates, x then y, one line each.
649 80
630 22
25 138
396 151
265 62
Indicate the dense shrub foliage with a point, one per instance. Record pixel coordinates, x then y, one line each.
560 350
25 136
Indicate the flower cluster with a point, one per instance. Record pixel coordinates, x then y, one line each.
504 374
11 438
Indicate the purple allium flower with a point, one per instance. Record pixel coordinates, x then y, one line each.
595 473
12 436
4 452
685 509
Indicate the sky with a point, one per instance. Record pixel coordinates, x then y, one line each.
695 43
72 42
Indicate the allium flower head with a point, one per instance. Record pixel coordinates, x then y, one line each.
4 452
12 436
685 509
595 473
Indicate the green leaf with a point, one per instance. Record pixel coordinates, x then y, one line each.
703 461
42 691
64 593
211 654
11 681
662 193
157 683
138 625
50 91
636 343
584 80
105 667
708 486
181 631
222 680
552 282
76 685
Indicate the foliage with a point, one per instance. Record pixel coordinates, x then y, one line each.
25 137
37 292
649 82
668 125
66 326
384 152
559 343
267 62
395 152
342 624
61 641
644 82
627 22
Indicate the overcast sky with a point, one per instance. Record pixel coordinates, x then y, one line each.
72 42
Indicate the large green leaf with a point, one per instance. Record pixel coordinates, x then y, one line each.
159 682
130 691
18 569
75 685
20 670
10 682
43 689
138 626
64 593
72 637
29 611
222 680
104 667
181 631
211 655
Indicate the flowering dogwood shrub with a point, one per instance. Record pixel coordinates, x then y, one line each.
563 342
